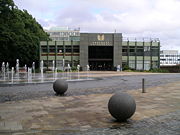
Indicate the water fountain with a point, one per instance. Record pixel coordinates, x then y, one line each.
25 70
41 69
55 76
88 69
12 75
78 68
53 68
53 65
68 72
7 70
63 64
33 68
17 68
3 69
29 74
118 68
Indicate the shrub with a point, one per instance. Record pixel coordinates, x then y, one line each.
126 67
74 68
158 70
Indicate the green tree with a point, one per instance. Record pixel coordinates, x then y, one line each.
20 35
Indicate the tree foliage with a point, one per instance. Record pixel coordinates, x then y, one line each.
20 35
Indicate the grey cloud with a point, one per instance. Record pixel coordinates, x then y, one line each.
44 23
74 15
109 17
140 18
32 5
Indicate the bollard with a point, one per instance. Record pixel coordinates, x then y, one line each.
143 88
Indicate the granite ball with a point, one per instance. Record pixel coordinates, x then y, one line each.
60 86
121 106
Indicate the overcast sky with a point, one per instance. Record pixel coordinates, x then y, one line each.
134 18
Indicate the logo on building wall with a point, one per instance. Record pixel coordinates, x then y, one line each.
100 37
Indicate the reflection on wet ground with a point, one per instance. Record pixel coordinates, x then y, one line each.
99 85
35 109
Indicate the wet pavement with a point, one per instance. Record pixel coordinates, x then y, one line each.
161 125
35 109
109 82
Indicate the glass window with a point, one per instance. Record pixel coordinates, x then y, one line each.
139 65
100 52
44 49
154 64
50 63
147 51
132 50
60 49
140 51
59 64
68 48
55 33
124 51
76 62
132 64
66 38
124 63
155 50
163 59
147 65
67 62
76 49
52 49
45 63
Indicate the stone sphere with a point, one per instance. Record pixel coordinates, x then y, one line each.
60 86
121 106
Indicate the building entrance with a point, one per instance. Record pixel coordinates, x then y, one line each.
100 57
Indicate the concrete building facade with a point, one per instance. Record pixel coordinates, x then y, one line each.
102 51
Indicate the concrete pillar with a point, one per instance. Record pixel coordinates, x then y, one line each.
84 50
117 59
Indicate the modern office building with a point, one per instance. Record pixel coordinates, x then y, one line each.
169 57
102 51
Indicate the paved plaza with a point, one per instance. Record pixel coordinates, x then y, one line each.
35 109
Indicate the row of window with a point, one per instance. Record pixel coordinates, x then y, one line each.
65 38
140 50
138 65
169 55
169 59
60 38
62 34
60 49
172 62
59 63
